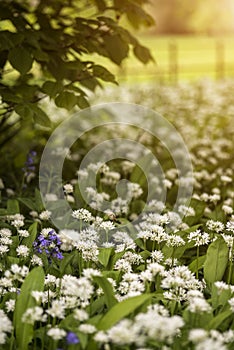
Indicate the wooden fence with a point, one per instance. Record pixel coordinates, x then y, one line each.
215 62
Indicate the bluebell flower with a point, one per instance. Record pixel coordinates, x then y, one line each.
72 338
49 244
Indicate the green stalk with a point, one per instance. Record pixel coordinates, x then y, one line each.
197 261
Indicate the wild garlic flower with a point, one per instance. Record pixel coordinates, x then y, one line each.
56 333
200 238
216 226
22 251
5 327
31 315
82 214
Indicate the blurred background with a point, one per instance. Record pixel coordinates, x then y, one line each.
191 39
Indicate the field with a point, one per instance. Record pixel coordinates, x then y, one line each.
192 58
128 241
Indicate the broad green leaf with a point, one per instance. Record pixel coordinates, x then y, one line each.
219 319
104 255
28 241
65 262
116 48
28 202
38 201
103 73
20 59
52 88
193 265
40 116
121 310
107 289
24 331
66 100
12 207
216 261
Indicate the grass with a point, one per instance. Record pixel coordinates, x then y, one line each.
196 57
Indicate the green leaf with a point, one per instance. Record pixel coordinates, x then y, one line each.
28 241
82 102
24 331
52 88
219 319
193 264
20 59
40 116
104 255
116 47
66 100
107 288
142 53
12 207
28 202
103 73
121 310
143 166
216 261
38 201
25 111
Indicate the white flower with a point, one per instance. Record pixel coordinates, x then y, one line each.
45 215
221 286
216 226
5 232
23 233
80 315
22 250
230 226
68 188
198 305
186 211
33 314
200 238
197 335
210 344
57 309
174 241
87 328
157 255
36 260
17 223
231 303
3 249
82 214
225 179
10 305
56 333
5 326
227 209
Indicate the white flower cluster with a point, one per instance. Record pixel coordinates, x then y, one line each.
154 324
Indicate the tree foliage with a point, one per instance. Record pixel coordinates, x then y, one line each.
46 49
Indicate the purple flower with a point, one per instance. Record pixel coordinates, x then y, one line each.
72 338
50 245
29 167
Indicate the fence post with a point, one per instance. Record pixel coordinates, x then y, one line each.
220 60
173 62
